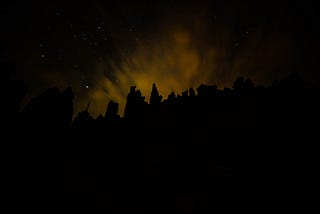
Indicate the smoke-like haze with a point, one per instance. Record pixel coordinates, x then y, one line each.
189 51
181 47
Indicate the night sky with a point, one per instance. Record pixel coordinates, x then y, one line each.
101 48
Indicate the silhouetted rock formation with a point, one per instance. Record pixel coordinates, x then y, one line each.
12 92
243 86
83 121
203 149
155 98
52 109
67 107
135 105
112 111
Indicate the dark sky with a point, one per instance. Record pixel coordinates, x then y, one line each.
101 48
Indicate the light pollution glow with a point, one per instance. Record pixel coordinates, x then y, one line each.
181 52
182 58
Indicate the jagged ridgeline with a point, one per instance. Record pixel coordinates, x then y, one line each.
244 102
209 145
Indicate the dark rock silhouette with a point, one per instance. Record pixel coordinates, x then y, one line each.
112 111
52 108
67 106
155 98
135 105
207 150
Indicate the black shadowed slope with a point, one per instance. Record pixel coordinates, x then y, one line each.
204 151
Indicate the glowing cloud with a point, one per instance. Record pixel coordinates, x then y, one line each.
181 57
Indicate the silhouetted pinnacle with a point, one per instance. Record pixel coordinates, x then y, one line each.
155 98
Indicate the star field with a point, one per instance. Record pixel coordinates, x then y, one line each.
101 47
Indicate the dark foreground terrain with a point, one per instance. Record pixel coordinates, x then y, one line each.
248 148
